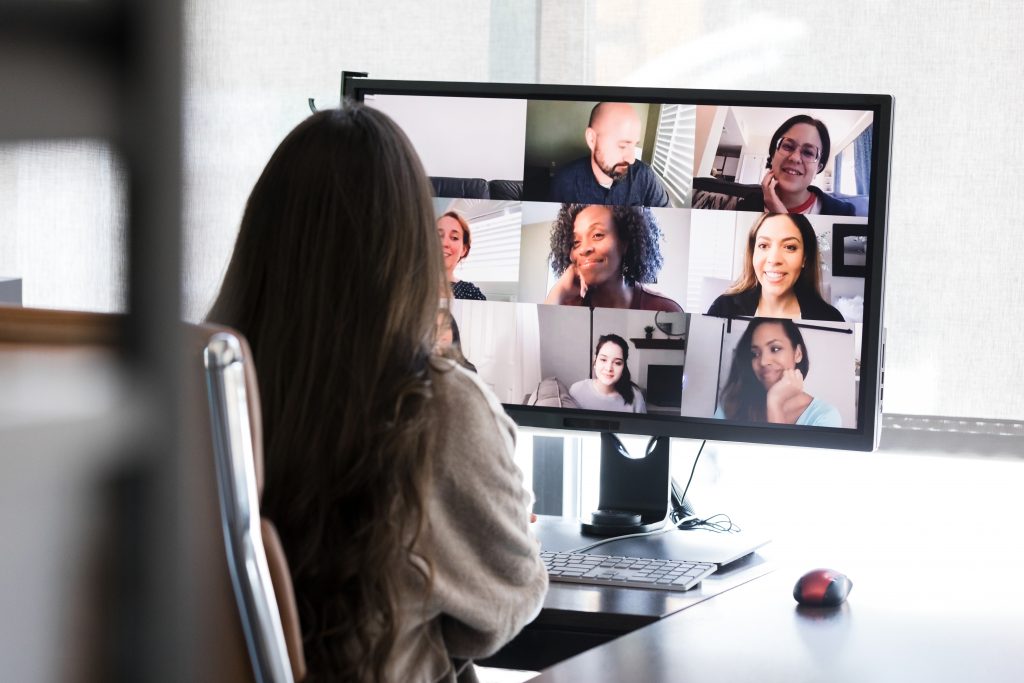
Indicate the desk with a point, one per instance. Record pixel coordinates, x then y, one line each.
577 617
936 555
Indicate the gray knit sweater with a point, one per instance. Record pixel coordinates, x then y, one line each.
488 580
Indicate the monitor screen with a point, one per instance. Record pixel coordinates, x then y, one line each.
704 264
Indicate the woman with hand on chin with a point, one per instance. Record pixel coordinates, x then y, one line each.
781 274
612 387
766 381
453 230
799 150
603 255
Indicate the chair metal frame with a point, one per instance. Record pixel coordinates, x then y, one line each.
239 508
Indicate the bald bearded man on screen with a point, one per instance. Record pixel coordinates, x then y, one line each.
611 174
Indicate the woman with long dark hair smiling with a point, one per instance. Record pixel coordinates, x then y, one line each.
781 273
611 387
389 470
766 380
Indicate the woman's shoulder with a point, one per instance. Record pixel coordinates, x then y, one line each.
577 388
731 305
827 204
819 413
639 404
751 202
460 394
462 404
813 307
467 290
646 300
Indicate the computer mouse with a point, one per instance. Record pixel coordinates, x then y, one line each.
822 588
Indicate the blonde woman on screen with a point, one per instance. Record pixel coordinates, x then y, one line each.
456 241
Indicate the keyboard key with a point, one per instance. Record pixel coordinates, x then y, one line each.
632 572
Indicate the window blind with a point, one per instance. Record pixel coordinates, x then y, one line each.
673 148
494 255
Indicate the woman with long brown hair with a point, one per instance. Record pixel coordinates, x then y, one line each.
389 470
781 273
766 379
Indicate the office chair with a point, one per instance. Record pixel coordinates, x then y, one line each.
256 561
241 610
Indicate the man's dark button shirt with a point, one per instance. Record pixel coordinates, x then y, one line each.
575 182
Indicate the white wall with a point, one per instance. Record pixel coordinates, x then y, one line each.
565 342
534 270
535 276
62 224
700 376
465 138
675 248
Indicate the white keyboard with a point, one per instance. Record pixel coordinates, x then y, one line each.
630 572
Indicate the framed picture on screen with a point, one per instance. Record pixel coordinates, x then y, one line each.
849 250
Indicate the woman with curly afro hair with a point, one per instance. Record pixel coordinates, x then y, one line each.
604 255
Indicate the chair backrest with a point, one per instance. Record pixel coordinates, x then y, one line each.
244 621
255 558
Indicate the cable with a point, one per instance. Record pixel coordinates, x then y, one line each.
678 521
687 523
677 511
726 526
620 538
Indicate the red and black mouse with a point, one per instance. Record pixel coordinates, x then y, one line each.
822 588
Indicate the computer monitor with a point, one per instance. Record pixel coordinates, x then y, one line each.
677 263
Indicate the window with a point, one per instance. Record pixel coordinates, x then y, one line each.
673 149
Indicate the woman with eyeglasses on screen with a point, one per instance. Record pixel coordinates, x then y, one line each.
611 387
389 470
799 150
766 380
781 273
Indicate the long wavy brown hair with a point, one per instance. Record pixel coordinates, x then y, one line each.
810 279
334 280
743 396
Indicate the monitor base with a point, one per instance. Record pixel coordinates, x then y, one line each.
634 491
618 528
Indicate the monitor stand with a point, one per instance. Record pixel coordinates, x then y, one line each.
634 491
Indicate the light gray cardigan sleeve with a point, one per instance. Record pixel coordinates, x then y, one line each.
489 580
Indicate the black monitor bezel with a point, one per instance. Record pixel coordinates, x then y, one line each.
869 410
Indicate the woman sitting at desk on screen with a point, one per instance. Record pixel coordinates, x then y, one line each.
781 273
766 380
389 470
603 255
456 241
611 387
799 150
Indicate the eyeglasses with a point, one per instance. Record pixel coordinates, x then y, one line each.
808 153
